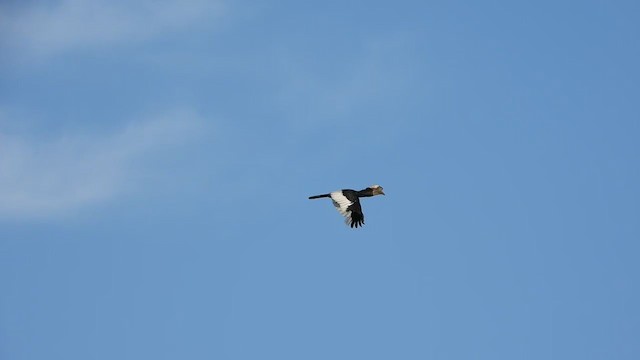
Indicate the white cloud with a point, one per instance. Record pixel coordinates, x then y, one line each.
45 28
58 176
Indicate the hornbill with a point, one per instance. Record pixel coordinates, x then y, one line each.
347 202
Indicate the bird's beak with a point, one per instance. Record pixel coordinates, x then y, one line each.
382 192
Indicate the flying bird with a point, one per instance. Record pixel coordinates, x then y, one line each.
347 202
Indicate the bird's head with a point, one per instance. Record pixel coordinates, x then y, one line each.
376 189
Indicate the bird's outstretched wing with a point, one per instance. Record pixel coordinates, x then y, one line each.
348 206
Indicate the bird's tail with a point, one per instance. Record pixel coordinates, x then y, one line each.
319 196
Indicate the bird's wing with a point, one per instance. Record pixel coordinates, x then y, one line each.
357 217
350 209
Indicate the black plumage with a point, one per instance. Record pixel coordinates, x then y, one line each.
347 202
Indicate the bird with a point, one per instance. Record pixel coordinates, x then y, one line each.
347 202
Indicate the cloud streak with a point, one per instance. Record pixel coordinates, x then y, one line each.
45 28
43 179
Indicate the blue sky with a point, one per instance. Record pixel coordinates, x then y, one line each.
156 159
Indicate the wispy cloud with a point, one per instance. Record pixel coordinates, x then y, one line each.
58 176
47 28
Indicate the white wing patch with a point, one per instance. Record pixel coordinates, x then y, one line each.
342 203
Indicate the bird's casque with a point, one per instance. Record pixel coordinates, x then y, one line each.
347 202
